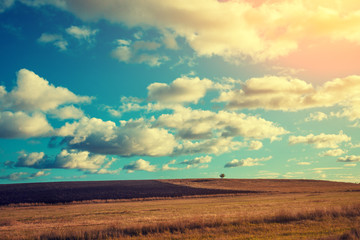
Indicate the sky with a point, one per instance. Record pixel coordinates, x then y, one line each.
131 89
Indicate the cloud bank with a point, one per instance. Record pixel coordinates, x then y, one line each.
248 162
322 140
290 94
241 34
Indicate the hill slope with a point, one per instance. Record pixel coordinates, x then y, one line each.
61 192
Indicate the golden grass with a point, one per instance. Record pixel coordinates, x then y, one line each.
218 224
259 216
287 210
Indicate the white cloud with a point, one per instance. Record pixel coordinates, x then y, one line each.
248 162
81 33
22 125
318 116
39 174
167 167
15 176
102 171
350 165
128 104
332 153
328 168
82 160
355 145
34 160
303 163
68 112
140 165
34 93
169 39
21 176
181 90
290 94
242 34
322 140
197 161
208 146
68 159
138 52
255 145
352 112
55 39
200 124
133 137
269 92
351 158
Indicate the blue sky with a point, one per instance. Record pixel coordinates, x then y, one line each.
112 90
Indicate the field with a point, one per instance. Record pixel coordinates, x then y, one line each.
181 209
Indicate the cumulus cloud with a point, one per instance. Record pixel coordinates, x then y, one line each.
248 162
34 93
39 174
355 145
55 39
66 159
102 171
290 94
352 112
201 124
242 34
332 153
269 92
68 112
322 140
73 159
21 176
139 165
181 90
15 176
318 116
22 110
197 161
138 52
22 125
208 146
130 104
81 33
133 137
34 160
255 145
169 40
351 158
167 167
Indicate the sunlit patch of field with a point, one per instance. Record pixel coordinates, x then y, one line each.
307 214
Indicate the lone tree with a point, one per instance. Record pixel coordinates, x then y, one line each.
222 175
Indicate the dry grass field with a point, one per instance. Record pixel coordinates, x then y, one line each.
260 209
